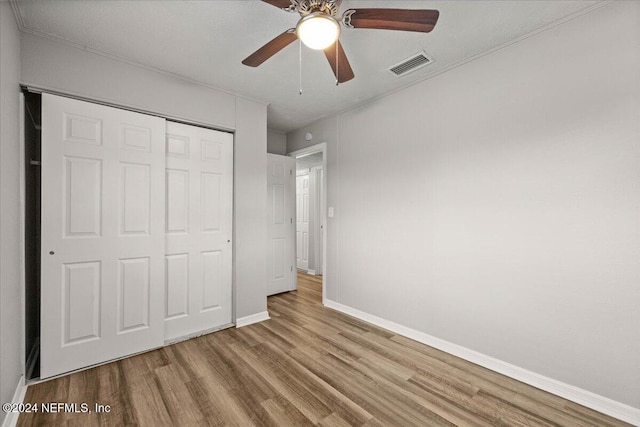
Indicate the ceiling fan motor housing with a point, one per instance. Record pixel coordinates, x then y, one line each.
306 7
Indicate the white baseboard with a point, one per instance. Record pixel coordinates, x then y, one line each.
11 419
311 272
583 397
254 318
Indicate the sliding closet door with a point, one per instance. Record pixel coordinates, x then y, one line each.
198 263
102 233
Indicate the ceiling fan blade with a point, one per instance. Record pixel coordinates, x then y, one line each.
282 4
392 19
341 68
271 48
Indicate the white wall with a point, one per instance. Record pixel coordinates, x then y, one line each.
10 304
497 206
276 142
59 67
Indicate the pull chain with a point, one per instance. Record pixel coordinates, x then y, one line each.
337 65
300 64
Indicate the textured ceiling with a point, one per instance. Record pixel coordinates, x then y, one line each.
206 41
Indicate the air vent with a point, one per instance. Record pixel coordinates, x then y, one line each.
411 64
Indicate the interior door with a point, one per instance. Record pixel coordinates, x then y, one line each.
198 264
302 221
281 187
102 258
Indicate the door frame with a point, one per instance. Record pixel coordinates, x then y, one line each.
319 148
319 209
22 242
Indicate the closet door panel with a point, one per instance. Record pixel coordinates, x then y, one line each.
199 219
103 227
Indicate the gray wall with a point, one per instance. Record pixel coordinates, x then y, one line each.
63 68
276 142
497 206
60 67
250 180
10 304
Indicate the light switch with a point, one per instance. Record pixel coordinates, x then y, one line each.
330 212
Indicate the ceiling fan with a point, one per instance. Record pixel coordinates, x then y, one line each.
319 28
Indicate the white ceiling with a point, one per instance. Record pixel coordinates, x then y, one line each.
206 41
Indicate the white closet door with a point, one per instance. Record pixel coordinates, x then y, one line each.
281 189
102 234
199 197
302 221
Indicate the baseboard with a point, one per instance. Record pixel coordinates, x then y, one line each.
583 397
11 419
254 318
311 272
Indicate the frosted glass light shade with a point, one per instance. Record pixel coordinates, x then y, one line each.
318 30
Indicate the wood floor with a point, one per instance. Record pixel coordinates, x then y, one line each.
307 365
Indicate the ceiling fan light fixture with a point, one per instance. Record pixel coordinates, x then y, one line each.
318 30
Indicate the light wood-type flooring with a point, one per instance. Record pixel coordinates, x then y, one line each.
307 365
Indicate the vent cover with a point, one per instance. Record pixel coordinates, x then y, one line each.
411 64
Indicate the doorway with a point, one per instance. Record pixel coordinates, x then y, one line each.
311 214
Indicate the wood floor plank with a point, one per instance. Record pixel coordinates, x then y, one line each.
308 365
334 420
280 416
331 397
283 382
